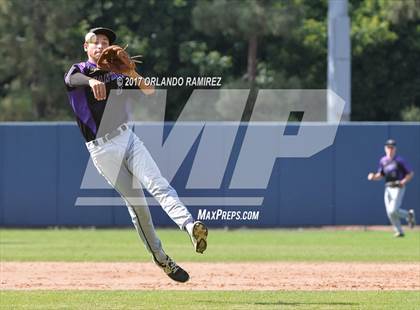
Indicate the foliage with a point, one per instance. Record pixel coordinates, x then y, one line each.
270 44
196 54
385 52
411 114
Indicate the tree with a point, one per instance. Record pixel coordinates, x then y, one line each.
250 43
248 20
36 38
385 51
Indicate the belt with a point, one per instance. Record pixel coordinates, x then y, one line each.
109 136
393 184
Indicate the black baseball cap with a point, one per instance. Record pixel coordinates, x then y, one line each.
390 142
106 32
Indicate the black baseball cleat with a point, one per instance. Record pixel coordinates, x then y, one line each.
199 237
411 218
172 270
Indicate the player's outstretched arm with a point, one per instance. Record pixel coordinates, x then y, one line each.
374 176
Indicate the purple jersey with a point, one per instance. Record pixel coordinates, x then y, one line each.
393 169
87 109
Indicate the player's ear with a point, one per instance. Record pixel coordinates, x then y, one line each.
85 46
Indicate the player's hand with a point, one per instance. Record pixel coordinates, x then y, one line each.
98 88
371 176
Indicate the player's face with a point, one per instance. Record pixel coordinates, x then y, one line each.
390 150
95 49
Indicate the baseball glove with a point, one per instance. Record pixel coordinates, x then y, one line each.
115 59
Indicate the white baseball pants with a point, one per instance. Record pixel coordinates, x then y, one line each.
125 163
393 199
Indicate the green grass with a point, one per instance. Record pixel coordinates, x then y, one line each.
207 300
235 245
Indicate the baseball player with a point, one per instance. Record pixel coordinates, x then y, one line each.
119 155
397 174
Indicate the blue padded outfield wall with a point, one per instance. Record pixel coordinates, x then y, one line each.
42 166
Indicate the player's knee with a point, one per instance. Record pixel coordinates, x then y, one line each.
392 213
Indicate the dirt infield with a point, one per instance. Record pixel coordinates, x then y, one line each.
210 276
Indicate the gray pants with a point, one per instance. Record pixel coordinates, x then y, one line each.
126 164
393 199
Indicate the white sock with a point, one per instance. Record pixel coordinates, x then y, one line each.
189 227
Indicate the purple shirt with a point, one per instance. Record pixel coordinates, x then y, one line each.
393 169
86 108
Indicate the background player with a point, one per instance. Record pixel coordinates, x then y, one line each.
120 156
397 174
